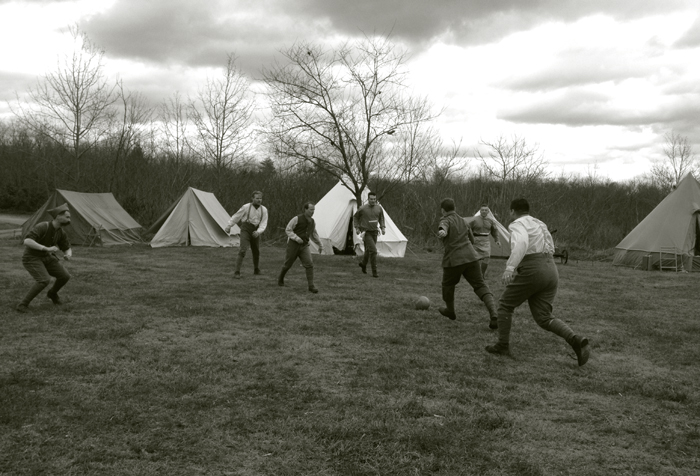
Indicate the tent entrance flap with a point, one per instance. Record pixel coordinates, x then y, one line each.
349 240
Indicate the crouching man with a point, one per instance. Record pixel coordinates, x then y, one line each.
39 259
300 230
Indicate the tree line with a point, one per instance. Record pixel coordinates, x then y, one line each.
331 113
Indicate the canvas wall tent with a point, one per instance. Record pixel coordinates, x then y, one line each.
195 219
334 222
674 225
96 219
502 251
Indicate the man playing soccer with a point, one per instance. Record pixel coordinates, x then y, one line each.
39 259
300 230
532 276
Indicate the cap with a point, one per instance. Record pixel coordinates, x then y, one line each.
54 212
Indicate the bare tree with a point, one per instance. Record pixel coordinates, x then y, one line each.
174 122
222 113
679 160
512 161
129 127
334 109
72 105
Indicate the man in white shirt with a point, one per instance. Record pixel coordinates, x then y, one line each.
252 220
532 276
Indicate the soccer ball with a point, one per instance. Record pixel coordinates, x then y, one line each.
422 303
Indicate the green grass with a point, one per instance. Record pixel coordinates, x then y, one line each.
163 364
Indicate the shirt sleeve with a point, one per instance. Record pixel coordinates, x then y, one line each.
263 220
37 232
518 245
494 232
382 225
444 225
237 216
290 228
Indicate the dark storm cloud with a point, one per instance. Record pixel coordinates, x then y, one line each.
473 21
200 33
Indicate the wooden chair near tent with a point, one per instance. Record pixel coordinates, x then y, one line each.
674 263
93 236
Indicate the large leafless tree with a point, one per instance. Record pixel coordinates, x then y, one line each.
334 109
72 105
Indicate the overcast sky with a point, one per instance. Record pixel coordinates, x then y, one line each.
596 83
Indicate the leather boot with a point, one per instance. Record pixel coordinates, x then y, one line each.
582 349
448 295
280 278
310 279
493 310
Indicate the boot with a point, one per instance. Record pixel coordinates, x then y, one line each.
499 348
373 264
448 295
280 278
493 310
237 271
580 346
310 279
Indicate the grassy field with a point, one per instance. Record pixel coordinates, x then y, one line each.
162 364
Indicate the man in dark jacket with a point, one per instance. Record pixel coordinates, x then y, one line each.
460 259
300 230
42 241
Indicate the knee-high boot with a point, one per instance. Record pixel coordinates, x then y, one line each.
280 278
448 295
310 279
493 310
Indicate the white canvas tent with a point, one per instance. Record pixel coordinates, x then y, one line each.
672 228
333 217
196 219
502 251
96 219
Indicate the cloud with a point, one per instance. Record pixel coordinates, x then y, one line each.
580 107
577 67
691 37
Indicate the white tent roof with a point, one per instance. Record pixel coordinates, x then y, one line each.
333 216
196 219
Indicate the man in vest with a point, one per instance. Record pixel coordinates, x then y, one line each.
482 226
369 219
252 220
300 230
532 276
39 259
460 259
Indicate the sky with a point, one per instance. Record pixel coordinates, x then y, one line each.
594 84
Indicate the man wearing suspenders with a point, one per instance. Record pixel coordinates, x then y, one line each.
39 259
252 220
532 276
